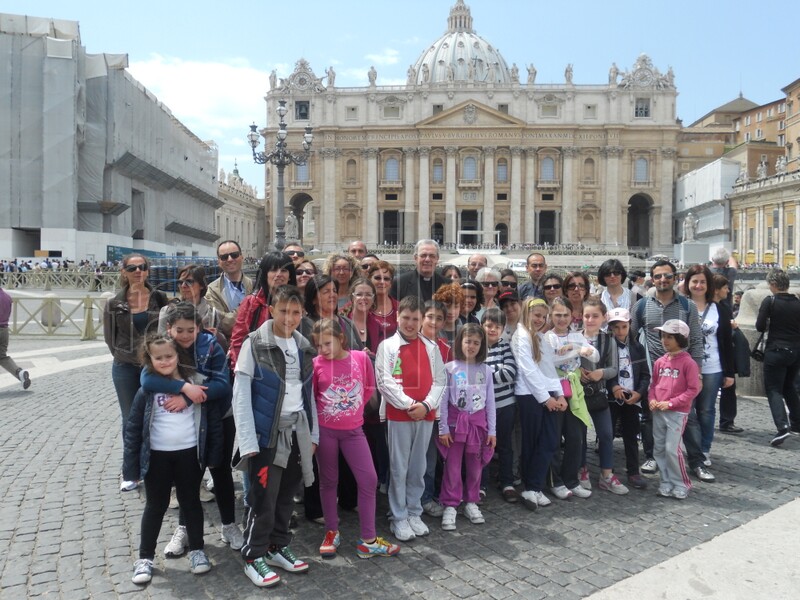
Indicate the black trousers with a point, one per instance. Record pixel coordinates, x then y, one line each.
628 415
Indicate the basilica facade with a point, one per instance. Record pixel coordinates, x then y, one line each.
471 150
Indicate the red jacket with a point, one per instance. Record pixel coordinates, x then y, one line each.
244 321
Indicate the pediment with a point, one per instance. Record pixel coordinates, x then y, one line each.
471 114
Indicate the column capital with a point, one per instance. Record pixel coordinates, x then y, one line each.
611 151
531 151
669 152
451 151
329 152
489 150
517 150
409 151
424 150
569 151
369 153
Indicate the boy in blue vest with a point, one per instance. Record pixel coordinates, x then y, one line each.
276 431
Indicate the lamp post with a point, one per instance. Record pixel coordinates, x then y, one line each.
280 157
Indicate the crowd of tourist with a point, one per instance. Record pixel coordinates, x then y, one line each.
333 383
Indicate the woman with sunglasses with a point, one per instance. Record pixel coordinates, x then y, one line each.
192 288
276 269
553 287
305 272
473 299
489 279
611 275
508 281
127 318
576 286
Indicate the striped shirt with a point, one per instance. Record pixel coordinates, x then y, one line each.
656 314
501 360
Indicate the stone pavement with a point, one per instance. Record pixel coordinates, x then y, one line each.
66 531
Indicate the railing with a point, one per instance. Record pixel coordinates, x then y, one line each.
48 317
60 279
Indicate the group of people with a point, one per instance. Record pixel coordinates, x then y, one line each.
334 385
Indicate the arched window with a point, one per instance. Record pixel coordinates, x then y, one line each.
548 169
391 170
502 170
350 171
301 172
438 171
470 168
640 171
437 232
588 170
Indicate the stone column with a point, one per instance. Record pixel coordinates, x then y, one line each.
759 249
370 228
410 203
567 233
611 201
424 215
451 189
796 242
326 226
664 233
488 194
515 214
531 215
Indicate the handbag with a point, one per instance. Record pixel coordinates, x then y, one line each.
596 396
566 388
757 353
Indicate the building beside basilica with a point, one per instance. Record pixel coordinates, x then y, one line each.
473 149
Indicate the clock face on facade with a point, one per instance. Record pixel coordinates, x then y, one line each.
301 81
643 77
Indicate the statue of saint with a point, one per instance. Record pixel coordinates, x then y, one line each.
531 74
273 80
514 73
372 75
568 74
613 73
426 73
470 71
291 227
450 73
331 76
761 170
780 165
689 228
412 75
491 76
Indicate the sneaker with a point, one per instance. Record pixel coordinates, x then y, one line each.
510 494
730 428
650 466
327 548
142 571
580 492
449 518
383 488
128 486
285 559
259 572
232 535
198 562
538 497
679 494
402 530
704 474
433 509
210 485
636 481
583 478
529 500
380 547
561 492
706 459
473 513
665 490
25 378
418 526
612 484
482 495
179 543
173 499
205 495
779 438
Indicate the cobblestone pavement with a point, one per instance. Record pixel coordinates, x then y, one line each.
66 531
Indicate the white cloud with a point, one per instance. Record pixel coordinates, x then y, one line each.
388 56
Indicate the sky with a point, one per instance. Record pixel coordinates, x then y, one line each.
209 62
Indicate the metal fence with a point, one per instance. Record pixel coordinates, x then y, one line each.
45 315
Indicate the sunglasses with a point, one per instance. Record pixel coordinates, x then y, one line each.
490 284
186 282
365 267
511 284
614 274
299 253
576 286
664 276
552 286
233 255
305 272
133 268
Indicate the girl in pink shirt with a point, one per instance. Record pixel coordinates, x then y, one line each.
343 382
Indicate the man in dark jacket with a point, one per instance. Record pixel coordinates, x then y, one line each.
424 280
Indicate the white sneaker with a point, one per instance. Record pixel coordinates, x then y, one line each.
649 467
580 492
232 535
561 492
473 513
25 378
541 499
707 459
173 499
179 543
205 495
418 526
402 530
449 518
128 486
210 484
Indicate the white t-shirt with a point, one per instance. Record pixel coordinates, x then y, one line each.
171 431
293 399
709 326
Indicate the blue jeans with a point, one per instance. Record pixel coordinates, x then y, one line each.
605 434
126 382
705 405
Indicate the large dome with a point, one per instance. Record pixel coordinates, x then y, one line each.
460 55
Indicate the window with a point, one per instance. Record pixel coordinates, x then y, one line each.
782 107
782 139
549 110
391 112
642 108
747 121
470 168
437 197
548 197
588 170
301 110
350 171
503 108
640 170
548 169
751 238
737 127
437 108
746 136
502 197
301 172
770 112
790 238
351 113
391 170
502 170
758 117
781 125
391 196
590 111
438 171
759 133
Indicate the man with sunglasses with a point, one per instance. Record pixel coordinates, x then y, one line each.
296 251
651 312
226 293
536 265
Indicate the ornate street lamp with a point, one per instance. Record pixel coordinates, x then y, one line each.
280 157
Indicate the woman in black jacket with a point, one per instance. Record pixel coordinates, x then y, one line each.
779 316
